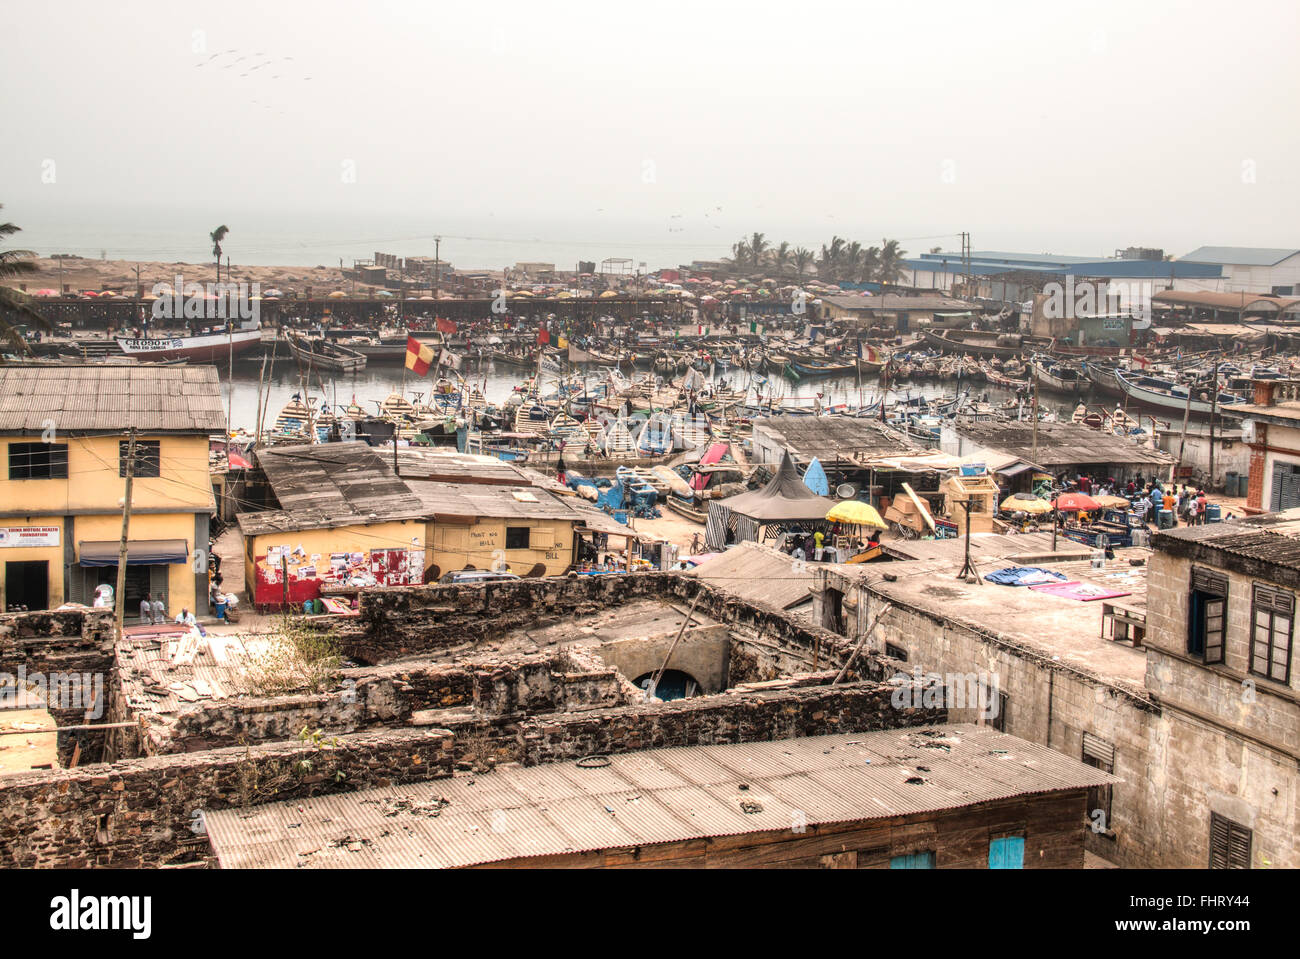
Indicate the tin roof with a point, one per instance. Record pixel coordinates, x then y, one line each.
150 398
1240 255
1270 539
833 437
759 574
643 798
1060 444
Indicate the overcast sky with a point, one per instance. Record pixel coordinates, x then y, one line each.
1071 128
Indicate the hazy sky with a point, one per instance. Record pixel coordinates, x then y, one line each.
1071 128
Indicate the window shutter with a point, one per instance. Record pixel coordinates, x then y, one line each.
1099 750
1229 844
1207 581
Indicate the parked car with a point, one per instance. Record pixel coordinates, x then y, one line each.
463 576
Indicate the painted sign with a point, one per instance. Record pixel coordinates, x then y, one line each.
29 536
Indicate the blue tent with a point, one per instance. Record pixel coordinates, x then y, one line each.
815 478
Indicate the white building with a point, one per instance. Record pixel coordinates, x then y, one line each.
1251 269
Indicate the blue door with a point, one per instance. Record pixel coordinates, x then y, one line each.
1007 853
917 860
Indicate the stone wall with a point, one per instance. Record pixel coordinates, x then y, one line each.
67 658
140 812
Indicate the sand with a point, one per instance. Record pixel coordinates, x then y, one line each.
120 275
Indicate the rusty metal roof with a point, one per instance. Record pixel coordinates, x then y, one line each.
151 398
759 574
642 798
1271 538
1060 444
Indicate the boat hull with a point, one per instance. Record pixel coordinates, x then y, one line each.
205 348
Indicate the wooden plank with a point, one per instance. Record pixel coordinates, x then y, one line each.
921 507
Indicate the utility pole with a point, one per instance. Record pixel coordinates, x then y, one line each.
437 263
60 259
120 597
1214 397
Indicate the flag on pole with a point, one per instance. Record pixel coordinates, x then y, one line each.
419 356
448 358
445 325
562 342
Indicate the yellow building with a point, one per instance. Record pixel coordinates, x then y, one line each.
343 518
66 431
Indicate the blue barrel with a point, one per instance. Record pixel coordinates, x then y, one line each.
1230 482
1243 485
1212 513
221 612
306 606
1166 519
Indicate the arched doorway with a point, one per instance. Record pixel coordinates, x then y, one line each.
674 684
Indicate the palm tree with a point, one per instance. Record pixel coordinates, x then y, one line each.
757 247
870 263
830 262
803 258
891 269
16 263
217 236
780 257
740 253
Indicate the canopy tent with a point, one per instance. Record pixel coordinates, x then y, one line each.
784 498
785 502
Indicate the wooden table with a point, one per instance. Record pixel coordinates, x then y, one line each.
1127 623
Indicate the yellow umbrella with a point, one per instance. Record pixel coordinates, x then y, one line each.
856 513
1108 502
1026 503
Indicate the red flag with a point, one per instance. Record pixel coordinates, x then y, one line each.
543 336
237 462
446 325
419 357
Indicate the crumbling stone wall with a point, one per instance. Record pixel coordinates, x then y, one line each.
140 812
76 646
390 695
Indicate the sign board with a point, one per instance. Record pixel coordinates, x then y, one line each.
29 536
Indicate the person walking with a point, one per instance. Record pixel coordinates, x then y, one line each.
160 609
146 610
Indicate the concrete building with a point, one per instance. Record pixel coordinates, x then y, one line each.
1270 427
1169 668
1063 449
65 430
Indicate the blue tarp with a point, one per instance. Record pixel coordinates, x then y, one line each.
1024 576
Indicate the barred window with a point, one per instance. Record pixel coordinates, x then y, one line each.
148 458
38 461
1272 616
1229 844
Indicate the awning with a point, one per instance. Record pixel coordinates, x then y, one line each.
139 552
1015 470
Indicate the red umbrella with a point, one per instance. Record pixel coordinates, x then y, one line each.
1073 502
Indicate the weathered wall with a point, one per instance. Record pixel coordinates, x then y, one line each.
139 812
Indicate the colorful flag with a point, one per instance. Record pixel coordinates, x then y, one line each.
419 356
448 358
445 325
562 342
543 336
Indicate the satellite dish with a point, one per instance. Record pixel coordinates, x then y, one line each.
846 491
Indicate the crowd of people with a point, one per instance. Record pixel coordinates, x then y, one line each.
1186 502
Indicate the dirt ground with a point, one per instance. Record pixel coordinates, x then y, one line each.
120 276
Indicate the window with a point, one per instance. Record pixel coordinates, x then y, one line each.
1208 615
148 458
896 652
1272 614
38 461
1229 844
916 860
1099 754
999 721
516 537
1007 852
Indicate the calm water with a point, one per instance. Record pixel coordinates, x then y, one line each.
378 379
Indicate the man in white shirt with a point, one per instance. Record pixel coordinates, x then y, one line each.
186 618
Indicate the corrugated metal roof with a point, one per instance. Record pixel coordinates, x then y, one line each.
1270 538
148 397
757 573
1060 444
832 437
1240 255
657 796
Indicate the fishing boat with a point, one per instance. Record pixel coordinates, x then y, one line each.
201 348
324 355
979 343
619 442
1173 397
657 435
1055 375
809 367
1102 377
